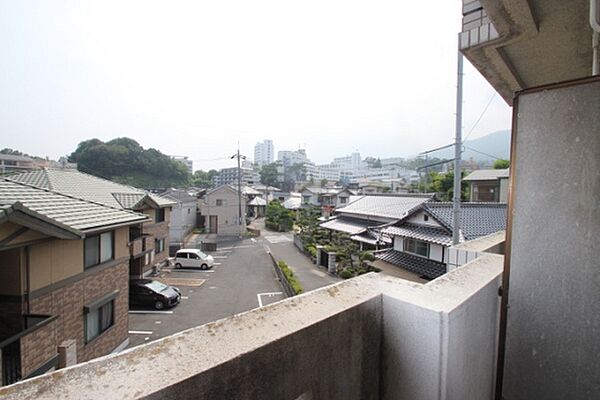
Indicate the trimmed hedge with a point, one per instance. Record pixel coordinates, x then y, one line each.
291 278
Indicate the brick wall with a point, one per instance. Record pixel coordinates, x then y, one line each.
38 347
158 231
68 302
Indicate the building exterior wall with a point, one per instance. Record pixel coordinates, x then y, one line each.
157 230
553 321
436 252
182 221
503 191
68 301
398 243
226 213
419 219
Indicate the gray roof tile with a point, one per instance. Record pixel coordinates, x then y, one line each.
61 210
487 175
477 219
420 232
393 207
88 187
424 267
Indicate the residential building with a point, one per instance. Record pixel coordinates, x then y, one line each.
290 158
489 185
454 337
64 276
364 216
264 153
348 163
183 215
324 196
189 164
328 172
150 242
220 209
421 240
229 176
10 163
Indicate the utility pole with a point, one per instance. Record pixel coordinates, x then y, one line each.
239 174
457 153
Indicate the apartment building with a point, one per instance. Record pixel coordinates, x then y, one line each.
229 176
64 279
264 153
150 240
11 163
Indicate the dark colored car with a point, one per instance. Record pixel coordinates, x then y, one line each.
146 292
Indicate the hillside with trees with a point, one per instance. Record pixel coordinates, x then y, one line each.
124 160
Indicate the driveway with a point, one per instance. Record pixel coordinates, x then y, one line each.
242 279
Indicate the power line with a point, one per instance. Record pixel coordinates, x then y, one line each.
480 116
481 152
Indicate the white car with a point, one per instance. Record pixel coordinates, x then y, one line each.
193 258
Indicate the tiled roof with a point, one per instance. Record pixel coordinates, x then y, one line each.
420 232
394 207
257 201
368 237
422 266
487 175
347 225
88 187
180 195
477 219
64 211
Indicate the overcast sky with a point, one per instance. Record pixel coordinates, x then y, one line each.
194 78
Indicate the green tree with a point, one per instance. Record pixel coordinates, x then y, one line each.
323 182
124 160
11 152
377 163
269 174
203 179
501 164
443 185
278 218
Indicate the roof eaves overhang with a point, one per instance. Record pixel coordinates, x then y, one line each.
24 216
104 228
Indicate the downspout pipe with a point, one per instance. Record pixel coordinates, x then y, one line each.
595 24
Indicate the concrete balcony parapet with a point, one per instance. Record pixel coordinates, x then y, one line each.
370 337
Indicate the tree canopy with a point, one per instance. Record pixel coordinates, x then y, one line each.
443 185
203 179
124 160
501 164
269 174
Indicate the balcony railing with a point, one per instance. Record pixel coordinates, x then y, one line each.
17 364
370 337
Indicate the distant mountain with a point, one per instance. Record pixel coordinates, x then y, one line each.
496 144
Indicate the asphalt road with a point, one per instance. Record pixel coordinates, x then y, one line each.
243 280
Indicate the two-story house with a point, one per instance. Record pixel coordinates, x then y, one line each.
364 216
220 211
318 196
64 279
183 215
422 238
149 241
488 185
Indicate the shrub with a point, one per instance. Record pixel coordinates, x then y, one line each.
346 273
312 250
290 277
367 256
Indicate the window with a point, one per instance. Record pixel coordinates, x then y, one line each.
98 249
425 218
98 318
221 202
160 215
416 247
159 245
343 200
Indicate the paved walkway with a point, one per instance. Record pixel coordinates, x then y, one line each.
310 276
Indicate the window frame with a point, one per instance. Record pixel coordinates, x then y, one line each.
98 307
159 215
416 242
98 260
159 245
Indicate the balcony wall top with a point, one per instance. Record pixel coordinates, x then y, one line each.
352 307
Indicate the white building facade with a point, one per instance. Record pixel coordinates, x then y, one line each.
264 153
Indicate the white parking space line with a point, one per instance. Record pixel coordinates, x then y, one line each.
223 251
140 332
184 298
267 249
217 264
271 294
215 257
278 239
149 312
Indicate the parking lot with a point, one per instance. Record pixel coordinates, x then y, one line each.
243 278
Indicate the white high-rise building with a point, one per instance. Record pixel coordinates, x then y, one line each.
264 153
